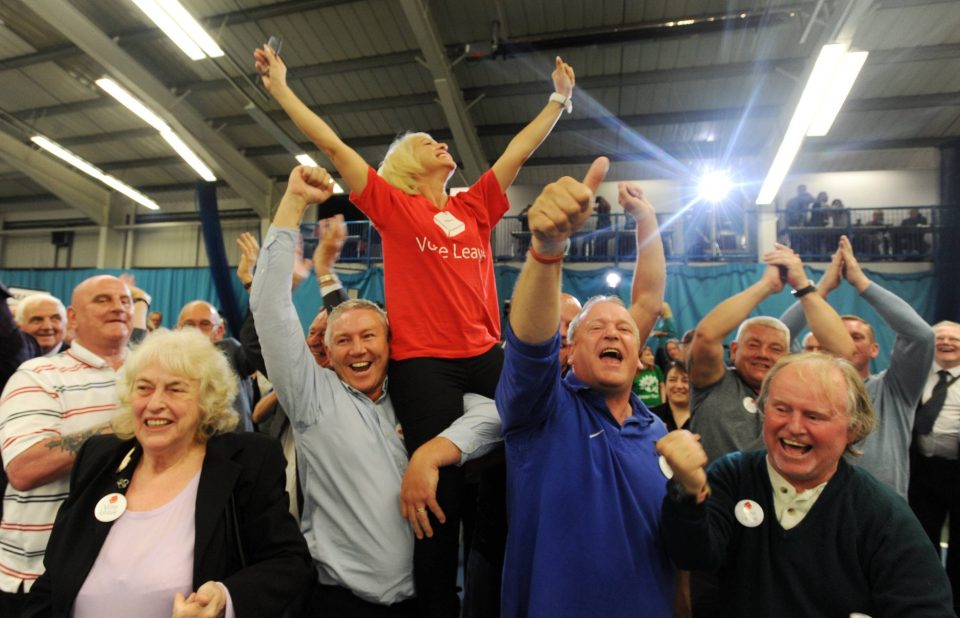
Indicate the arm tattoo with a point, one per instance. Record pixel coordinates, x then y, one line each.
72 442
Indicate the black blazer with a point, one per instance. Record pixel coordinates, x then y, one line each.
249 468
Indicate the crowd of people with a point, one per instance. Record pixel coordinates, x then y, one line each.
595 464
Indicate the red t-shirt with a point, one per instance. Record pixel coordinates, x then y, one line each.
441 291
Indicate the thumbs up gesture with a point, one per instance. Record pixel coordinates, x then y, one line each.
563 207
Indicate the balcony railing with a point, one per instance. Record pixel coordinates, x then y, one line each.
888 234
908 234
612 238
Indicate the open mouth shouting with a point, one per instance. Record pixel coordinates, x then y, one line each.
611 353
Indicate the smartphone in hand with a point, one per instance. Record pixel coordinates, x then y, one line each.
275 43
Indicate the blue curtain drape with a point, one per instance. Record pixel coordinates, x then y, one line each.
692 291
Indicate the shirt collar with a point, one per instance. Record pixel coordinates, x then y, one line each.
86 356
383 393
639 412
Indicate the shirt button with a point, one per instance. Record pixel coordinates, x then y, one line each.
783 490
791 511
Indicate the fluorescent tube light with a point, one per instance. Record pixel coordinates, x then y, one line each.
188 155
132 103
181 27
836 93
823 70
91 170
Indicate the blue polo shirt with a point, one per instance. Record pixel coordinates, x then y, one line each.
583 496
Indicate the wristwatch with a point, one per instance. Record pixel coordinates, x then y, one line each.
565 101
804 291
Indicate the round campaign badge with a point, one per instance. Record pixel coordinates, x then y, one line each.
859 615
748 513
665 468
750 405
110 507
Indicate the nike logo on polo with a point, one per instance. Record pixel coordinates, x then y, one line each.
594 435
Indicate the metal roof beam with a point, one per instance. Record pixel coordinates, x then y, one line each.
451 96
240 174
86 195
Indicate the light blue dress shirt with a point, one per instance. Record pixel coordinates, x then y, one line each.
350 455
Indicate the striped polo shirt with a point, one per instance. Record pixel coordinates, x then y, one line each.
47 397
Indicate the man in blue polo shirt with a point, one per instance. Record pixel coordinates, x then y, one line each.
584 483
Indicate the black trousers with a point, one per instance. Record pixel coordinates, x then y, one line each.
427 395
338 602
934 494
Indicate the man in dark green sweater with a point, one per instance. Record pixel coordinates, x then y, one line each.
794 530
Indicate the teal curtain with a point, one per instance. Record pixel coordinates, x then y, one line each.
692 291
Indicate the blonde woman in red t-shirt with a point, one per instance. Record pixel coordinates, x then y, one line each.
440 291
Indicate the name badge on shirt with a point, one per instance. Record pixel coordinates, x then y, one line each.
748 513
110 507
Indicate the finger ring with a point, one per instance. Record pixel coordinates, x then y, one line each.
422 510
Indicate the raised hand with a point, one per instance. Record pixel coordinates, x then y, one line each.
832 276
631 198
563 78
333 233
563 207
313 184
785 257
249 250
850 269
271 68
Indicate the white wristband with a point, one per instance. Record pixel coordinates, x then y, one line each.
565 101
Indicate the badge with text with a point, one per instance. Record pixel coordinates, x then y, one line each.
748 513
750 405
110 507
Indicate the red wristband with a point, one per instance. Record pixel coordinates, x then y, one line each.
543 259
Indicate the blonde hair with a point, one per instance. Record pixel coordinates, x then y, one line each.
188 354
859 409
400 166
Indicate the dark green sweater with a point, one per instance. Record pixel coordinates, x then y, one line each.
859 549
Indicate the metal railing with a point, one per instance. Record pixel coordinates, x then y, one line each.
611 238
902 234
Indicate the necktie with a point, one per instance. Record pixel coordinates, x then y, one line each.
927 412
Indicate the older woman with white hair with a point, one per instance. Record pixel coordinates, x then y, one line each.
439 285
174 515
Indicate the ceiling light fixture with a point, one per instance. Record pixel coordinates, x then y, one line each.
88 168
828 86
177 23
132 103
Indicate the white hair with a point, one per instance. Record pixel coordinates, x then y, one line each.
35 299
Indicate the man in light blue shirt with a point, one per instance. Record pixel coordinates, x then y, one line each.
351 458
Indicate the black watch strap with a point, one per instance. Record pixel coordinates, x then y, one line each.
804 291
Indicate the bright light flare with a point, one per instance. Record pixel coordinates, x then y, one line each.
714 186
613 279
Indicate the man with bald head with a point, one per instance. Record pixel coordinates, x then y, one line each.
50 406
569 308
203 316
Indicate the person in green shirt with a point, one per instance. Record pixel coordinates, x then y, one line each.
648 384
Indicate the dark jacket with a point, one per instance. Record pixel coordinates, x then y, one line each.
244 469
